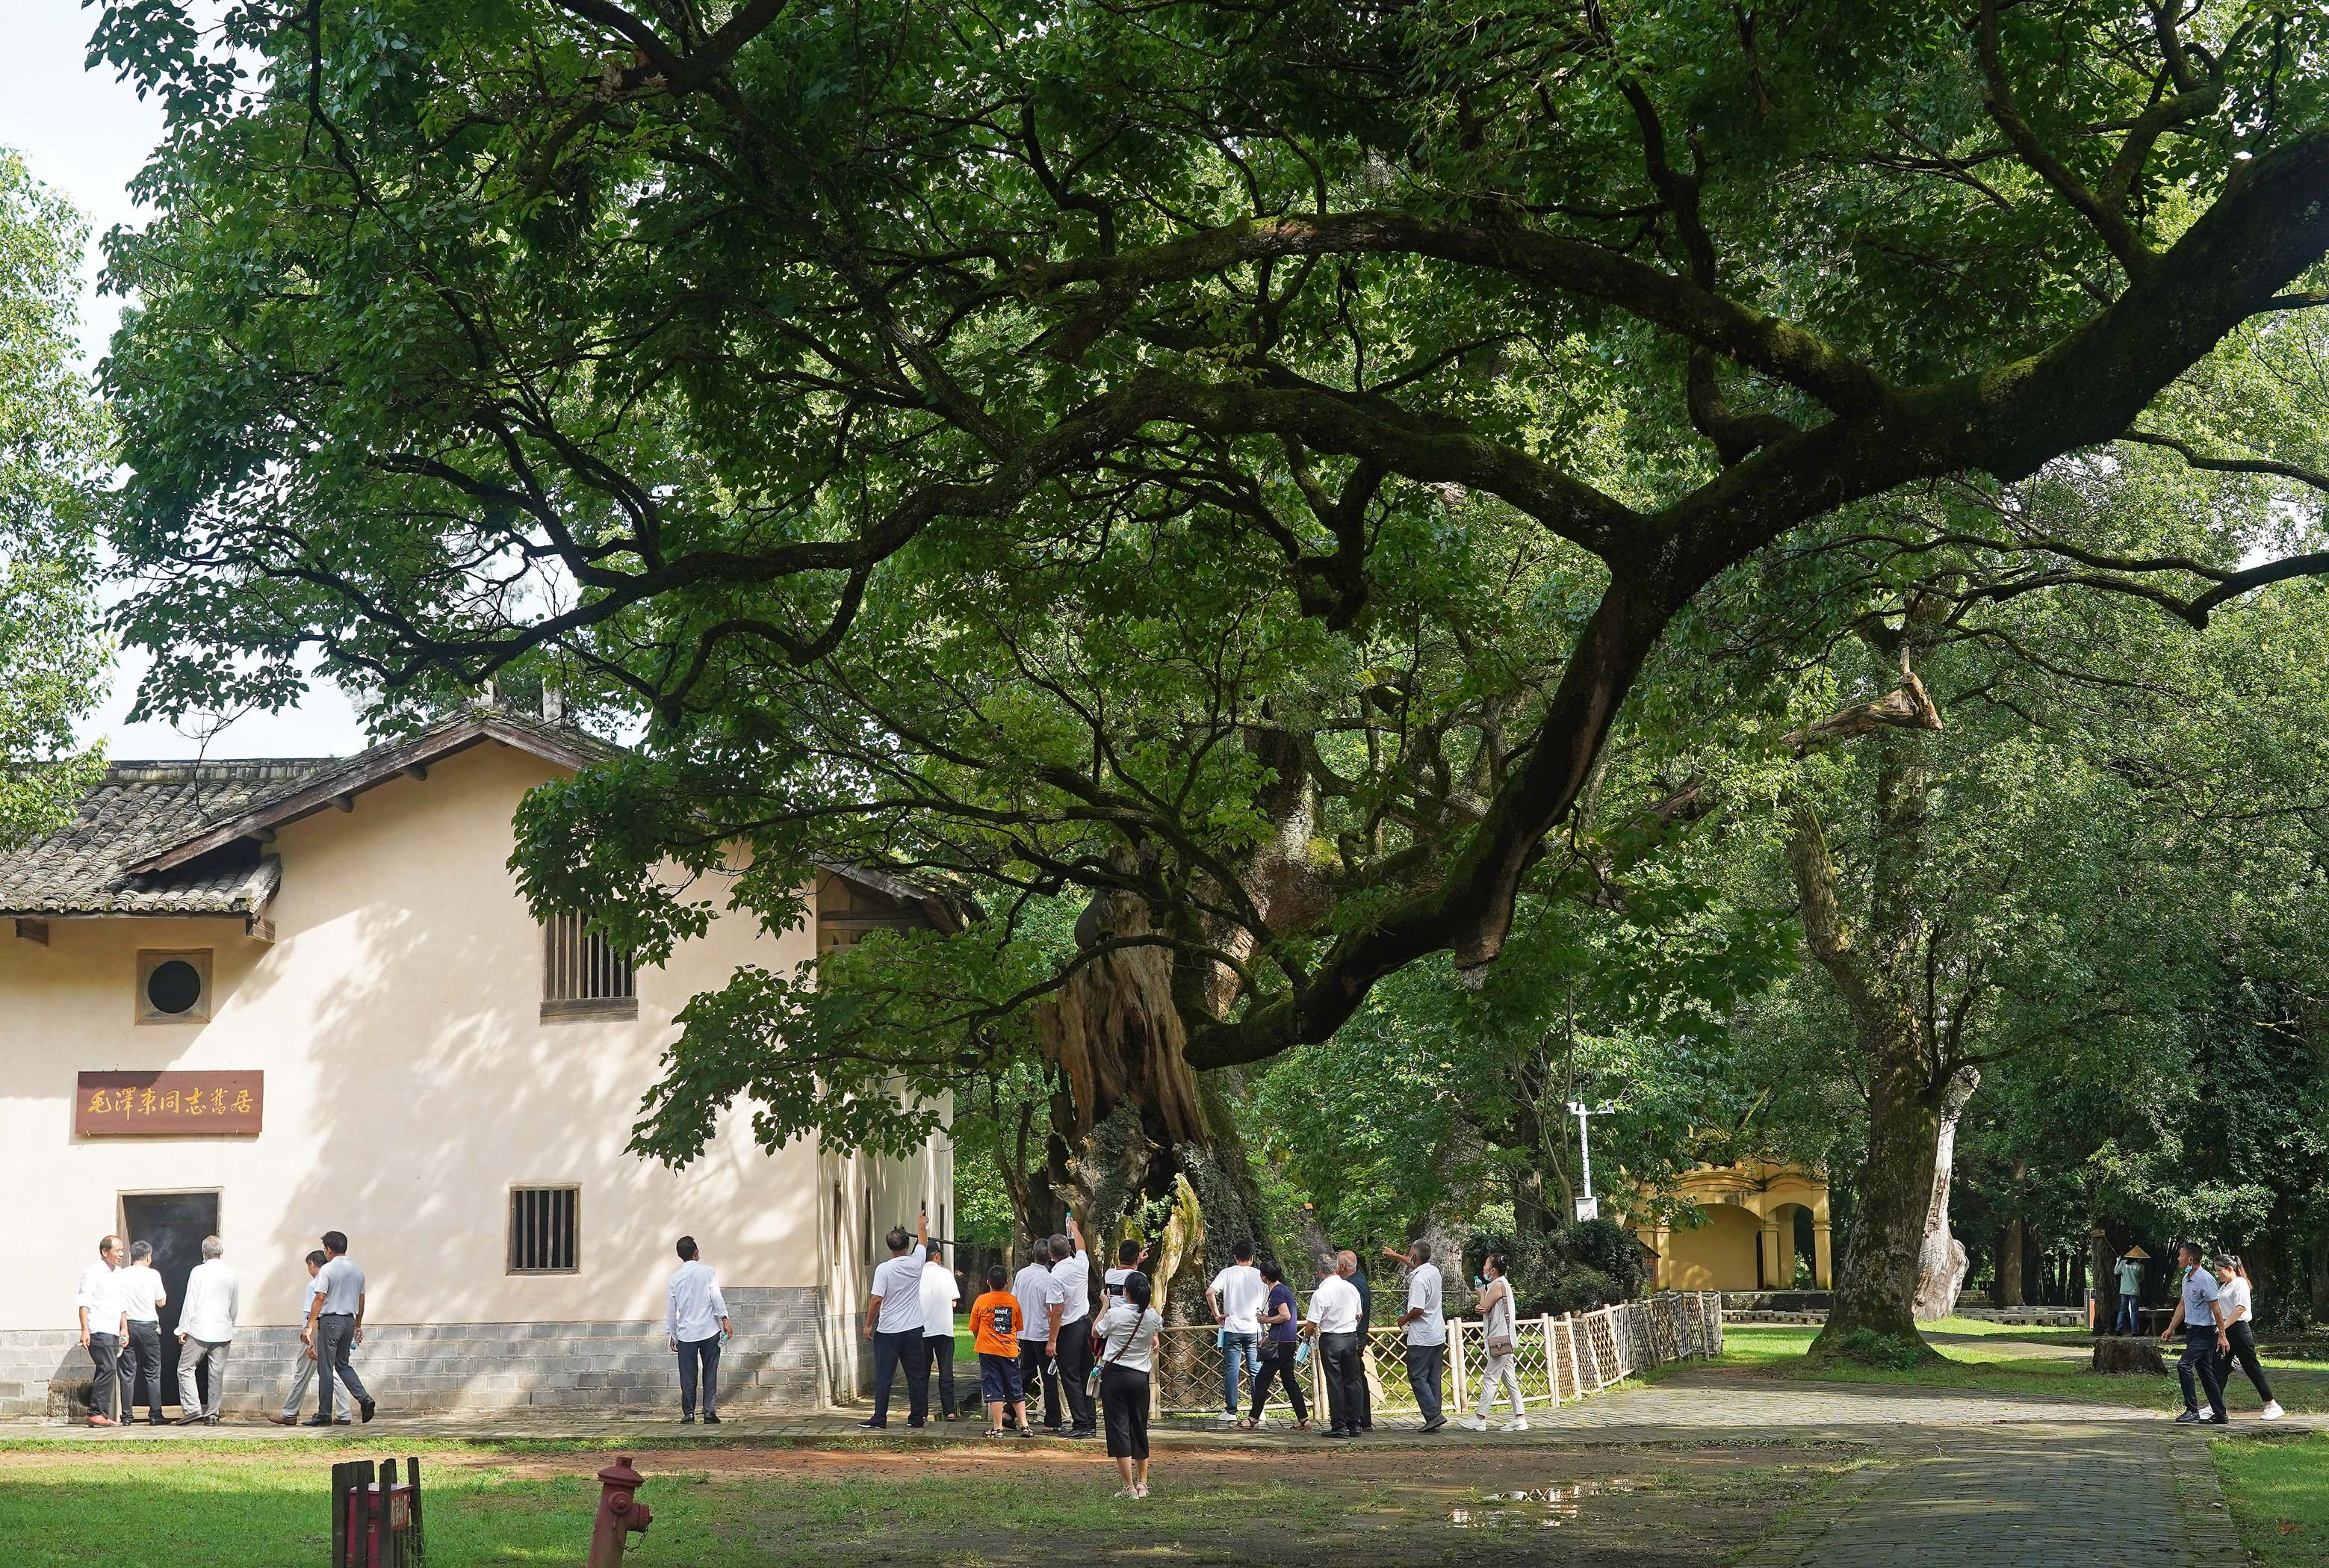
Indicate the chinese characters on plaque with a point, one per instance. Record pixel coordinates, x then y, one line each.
168 1104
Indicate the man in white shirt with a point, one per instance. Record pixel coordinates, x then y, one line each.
303 1362
1236 1297
1426 1328
1334 1317
893 1322
1071 1267
142 1300
335 1322
1042 1304
940 1291
205 1333
103 1328
694 1322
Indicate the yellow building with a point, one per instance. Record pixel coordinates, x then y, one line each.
1758 1218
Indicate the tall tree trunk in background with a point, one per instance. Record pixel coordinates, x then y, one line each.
2009 1264
1878 976
1941 1260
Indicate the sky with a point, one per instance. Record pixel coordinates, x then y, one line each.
84 134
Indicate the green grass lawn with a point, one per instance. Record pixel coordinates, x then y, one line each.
2279 1494
971 1506
2000 1359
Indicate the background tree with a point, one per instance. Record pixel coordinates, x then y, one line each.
1222 470
53 655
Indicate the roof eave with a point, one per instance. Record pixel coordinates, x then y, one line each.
379 766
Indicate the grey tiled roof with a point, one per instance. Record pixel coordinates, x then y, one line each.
208 820
137 808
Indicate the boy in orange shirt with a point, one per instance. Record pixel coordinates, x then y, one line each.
994 1320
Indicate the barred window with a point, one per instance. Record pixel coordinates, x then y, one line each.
583 975
545 1229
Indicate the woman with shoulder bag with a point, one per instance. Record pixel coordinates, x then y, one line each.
1127 1333
1496 1311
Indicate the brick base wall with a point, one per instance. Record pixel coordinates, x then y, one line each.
771 1364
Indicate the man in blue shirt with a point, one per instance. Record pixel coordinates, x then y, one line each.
2200 1314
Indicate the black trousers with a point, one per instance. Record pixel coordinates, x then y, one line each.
1346 1379
1035 1366
1124 1401
699 1357
1277 1363
105 1380
2244 1351
905 1346
941 1349
2200 1360
143 1371
1075 1371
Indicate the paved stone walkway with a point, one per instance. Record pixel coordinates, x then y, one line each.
1942 1476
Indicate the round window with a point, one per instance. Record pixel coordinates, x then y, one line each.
174 987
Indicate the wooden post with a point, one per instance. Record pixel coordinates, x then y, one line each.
1576 1368
340 1515
1456 1358
417 1553
360 1550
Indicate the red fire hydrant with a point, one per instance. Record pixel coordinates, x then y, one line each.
619 1513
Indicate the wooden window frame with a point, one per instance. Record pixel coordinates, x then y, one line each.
152 958
563 938
510 1247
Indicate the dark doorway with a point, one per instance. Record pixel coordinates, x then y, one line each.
176 1223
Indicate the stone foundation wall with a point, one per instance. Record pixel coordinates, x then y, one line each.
771 1364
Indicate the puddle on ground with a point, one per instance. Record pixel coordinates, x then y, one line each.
1537 1508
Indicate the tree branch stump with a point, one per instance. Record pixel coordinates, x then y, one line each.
2139 1355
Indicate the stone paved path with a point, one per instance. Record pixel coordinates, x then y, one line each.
1942 1477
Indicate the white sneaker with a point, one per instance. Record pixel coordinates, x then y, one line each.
1229 1415
1473 1423
1518 1424
2272 1411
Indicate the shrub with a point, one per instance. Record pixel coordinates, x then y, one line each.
1606 1247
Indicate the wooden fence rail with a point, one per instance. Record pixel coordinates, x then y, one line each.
1557 1359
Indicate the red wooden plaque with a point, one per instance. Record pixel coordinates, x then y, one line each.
168 1104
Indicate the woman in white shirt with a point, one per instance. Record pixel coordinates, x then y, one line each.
2240 1327
1127 1333
1496 1310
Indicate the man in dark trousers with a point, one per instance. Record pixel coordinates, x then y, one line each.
893 1323
1334 1318
1042 1304
335 1315
104 1324
1071 1267
1347 1264
2200 1315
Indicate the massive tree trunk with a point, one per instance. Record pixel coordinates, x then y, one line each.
1941 1260
1144 1133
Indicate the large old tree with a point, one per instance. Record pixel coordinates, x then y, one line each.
1208 476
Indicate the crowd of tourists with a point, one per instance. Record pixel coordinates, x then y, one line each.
119 1307
1045 1339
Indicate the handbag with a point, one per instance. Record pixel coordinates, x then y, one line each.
1502 1344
